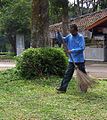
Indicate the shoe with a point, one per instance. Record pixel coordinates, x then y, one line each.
60 91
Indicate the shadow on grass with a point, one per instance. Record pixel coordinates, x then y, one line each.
51 81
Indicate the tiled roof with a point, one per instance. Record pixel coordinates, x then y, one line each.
89 19
56 24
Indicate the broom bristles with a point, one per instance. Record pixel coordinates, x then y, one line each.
84 81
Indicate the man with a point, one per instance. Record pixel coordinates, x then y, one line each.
59 37
75 47
52 37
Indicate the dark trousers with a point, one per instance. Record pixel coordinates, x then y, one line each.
69 73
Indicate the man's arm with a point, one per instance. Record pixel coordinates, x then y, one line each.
65 40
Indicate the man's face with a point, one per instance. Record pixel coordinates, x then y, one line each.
73 31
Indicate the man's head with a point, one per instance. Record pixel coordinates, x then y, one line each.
73 29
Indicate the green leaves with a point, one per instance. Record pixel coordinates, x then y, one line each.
55 10
41 61
15 15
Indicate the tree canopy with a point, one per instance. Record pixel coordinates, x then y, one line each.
15 15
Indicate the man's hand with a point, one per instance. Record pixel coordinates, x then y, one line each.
68 51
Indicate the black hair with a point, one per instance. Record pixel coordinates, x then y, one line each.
74 27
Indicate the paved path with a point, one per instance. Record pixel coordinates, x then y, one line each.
98 70
6 64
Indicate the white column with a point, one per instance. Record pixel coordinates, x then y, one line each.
20 44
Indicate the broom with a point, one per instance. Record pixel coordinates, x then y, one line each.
84 81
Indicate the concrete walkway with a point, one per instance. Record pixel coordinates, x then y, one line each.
97 70
6 64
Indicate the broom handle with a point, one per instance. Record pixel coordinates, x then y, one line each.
66 48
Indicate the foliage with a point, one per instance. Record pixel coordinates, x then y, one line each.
15 15
81 7
55 10
37 100
41 61
103 4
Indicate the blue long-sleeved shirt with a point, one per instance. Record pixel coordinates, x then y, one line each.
77 45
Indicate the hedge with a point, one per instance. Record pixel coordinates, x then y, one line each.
36 62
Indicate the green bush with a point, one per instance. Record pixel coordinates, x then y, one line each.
35 62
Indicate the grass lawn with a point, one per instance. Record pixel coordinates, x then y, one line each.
37 100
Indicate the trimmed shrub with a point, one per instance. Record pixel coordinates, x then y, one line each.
35 62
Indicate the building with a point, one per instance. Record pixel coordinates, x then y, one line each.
94 27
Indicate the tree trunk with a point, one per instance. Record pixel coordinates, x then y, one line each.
65 18
12 40
78 8
82 2
40 23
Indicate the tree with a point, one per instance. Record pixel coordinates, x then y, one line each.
40 23
103 4
65 17
55 11
15 18
60 8
87 6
